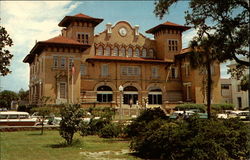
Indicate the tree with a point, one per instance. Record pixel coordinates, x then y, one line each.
203 56
43 111
23 95
224 21
5 55
6 97
71 120
244 83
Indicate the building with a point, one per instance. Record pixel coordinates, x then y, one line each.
226 91
80 66
231 90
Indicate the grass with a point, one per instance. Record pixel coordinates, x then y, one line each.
30 145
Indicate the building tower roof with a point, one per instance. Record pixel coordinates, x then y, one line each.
169 25
65 22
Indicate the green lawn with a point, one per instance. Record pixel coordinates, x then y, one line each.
30 145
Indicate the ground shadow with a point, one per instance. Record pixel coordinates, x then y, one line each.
75 143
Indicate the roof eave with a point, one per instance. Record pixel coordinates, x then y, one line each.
66 20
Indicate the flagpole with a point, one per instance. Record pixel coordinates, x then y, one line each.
68 85
73 70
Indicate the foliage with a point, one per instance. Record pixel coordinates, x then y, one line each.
21 108
103 112
139 124
110 131
245 85
71 118
188 106
95 125
43 111
5 55
225 23
222 107
23 95
6 97
193 139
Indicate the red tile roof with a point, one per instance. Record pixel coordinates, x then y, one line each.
65 22
128 59
168 25
82 16
63 40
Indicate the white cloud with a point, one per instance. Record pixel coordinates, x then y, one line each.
26 22
187 37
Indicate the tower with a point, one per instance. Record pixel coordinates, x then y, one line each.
168 38
79 27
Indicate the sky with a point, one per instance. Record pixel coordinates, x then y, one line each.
31 21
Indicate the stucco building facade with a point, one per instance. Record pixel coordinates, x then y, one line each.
80 66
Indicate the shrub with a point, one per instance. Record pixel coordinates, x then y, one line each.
95 125
110 131
21 108
222 107
188 106
70 123
193 139
139 124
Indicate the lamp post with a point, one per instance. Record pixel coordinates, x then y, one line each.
121 90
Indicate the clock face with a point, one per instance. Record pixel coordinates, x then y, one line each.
123 31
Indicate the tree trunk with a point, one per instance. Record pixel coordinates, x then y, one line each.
42 125
209 88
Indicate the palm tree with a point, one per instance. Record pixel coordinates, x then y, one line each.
203 56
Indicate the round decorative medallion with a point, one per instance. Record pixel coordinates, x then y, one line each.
123 31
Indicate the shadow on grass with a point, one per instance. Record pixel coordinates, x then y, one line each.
35 134
75 143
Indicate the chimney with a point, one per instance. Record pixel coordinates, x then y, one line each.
64 32
109 31
136 30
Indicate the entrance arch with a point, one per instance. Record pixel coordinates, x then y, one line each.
155 96
130 95
104 94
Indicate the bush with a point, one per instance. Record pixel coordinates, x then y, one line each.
110 131
193 139
95 125
21 108
139 124
222 107
70 123
188 106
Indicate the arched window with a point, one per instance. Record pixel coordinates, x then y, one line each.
144 52
130 52
107 51
104 94
155 96
137 52
130 95
123 52
115 51
150 53
100 51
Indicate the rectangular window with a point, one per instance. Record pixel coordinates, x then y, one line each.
55 61
187 70
104 97
224 86
238 88
71 61
130 70
83 69
62 90
104 70
174 72
63 62
154 72
83 38
172 45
